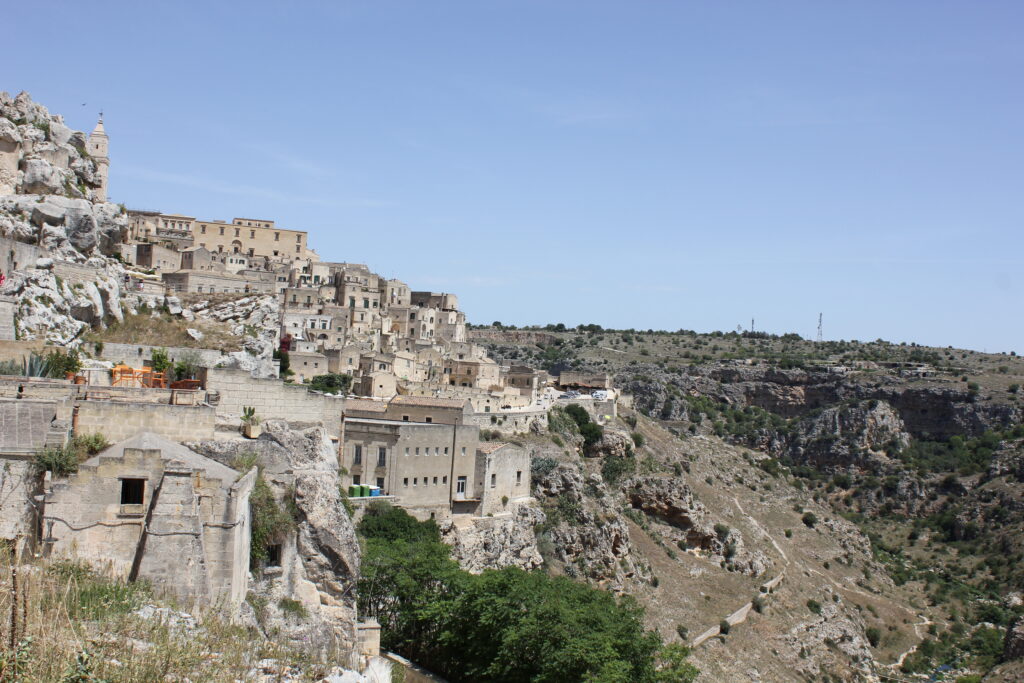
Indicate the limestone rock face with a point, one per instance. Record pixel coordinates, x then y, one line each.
849 435
673 502
320 559
39 154
588 538
60 311
614 443
494 542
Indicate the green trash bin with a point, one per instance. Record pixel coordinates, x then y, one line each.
364 490
353 491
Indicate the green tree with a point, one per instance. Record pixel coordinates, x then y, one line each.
332 383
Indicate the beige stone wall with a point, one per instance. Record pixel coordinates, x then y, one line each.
19 482
506 474
197 552
271 398
119 420
252 238
422 462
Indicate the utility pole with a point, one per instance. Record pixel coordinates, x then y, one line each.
819 328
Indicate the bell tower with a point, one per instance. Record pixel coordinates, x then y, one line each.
98 148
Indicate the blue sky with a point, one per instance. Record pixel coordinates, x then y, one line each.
632 164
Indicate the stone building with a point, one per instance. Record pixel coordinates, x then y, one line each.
99 150
503 473
251 237
149 508
149 255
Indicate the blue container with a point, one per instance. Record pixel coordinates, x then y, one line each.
374 491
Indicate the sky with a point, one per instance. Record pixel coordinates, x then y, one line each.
666 165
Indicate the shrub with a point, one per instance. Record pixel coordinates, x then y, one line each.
789 533
638 439
269 521
724 627
592 433
293 608
160 360
874 635
810 519
331 383
614 468
814 606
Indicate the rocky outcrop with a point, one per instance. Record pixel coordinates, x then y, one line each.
320 560
39 154
926 412
494 542
585 536
849 434
671 502
614 443
59 311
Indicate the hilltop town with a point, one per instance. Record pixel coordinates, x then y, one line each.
279 467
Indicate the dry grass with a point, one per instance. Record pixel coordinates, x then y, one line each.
69 624
166 330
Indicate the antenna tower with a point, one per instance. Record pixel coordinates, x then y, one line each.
819 329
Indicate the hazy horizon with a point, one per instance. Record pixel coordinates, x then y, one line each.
639 165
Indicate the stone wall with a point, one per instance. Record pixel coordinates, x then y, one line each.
118 420
232 389
16 255
136 355
74 273
509 423
8 307
19 482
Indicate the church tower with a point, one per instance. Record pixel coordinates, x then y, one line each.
98 149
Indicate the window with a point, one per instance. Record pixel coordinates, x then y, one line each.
519 477
406 451
444 479
417 450
298 238
380 483
405 418
460 485
446 450
202 229
366 303
358 459
277 237
415 481
463 450
429 419
252 234
435 481
382 456
405 481
237 232
274 555
355 478
132 491
222 231
494 480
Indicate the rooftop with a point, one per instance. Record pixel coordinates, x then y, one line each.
172 453
429 401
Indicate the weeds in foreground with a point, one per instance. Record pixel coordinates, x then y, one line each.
61 621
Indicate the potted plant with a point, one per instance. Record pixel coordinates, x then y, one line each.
250 423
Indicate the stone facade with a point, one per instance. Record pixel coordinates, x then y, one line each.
151 509
119 420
